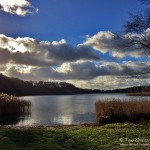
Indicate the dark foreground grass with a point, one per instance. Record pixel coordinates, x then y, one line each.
108 137
115 110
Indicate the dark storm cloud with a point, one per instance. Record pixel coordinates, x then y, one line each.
84 71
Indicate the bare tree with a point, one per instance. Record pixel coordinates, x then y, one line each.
138 31
139 27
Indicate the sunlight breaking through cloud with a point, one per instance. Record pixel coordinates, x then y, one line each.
84 65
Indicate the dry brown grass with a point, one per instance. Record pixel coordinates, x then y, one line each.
139 94
111 111
13 106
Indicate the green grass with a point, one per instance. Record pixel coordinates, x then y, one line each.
74 138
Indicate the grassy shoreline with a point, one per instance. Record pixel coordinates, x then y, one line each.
80 137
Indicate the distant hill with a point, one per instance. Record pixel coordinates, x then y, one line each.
26 88
137 89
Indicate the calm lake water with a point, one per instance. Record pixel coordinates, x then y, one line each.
64 110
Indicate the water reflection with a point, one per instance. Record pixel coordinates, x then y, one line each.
62 119
66 110
13 120
9 120
16 118
74 119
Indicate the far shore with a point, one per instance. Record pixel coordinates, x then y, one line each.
139 94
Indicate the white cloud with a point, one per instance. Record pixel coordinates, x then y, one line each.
17 7
29 51
29 59
111 82
106 41
87 70
86 75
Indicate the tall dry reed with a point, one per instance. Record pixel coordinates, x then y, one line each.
115 110
13 106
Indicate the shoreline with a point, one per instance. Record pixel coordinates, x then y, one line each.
50 126
73 126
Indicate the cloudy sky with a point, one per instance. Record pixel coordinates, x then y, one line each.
73 41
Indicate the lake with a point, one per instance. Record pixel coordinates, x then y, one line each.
64 110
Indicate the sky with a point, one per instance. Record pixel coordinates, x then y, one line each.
72 41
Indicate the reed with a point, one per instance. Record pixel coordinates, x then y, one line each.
13 106
116 110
